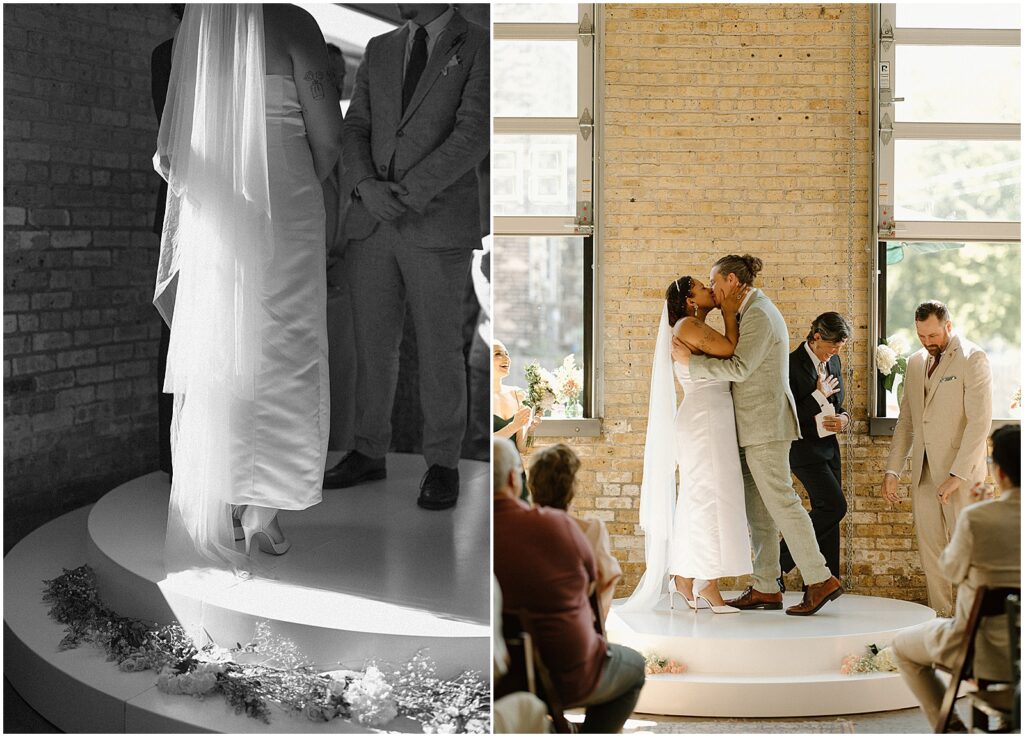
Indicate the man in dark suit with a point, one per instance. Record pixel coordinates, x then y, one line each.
815 377
417 127
160 77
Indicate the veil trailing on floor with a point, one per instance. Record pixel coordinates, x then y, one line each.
658 487
217 236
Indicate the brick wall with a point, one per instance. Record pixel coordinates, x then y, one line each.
80 334
735 129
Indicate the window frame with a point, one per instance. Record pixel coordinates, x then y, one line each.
886 131
585 221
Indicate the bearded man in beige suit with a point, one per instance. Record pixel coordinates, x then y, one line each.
984 551
945 418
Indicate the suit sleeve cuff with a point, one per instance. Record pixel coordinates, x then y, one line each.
819 398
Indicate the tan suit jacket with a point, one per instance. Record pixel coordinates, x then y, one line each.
984 550
947 417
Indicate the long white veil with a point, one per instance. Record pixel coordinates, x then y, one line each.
217 236
658 487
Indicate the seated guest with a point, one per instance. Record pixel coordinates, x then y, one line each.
553 484
984 550
546 570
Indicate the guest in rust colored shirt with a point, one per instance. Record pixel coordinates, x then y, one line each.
546 570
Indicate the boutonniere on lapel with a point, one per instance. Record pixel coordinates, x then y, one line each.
453 62
944 379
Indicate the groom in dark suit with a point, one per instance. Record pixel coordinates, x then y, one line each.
418 125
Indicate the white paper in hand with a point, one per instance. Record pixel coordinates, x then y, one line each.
827 411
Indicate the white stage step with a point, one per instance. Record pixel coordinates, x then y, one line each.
369 576
767 663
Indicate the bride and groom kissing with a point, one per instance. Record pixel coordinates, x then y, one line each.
730 438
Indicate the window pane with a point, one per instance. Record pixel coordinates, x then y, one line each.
957 180
533 175
534 13
940 87
534 79
980 283
962 15
538 301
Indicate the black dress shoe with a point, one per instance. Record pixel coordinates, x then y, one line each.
355 468
439 488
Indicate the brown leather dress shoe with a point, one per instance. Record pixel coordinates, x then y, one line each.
816 596
754 599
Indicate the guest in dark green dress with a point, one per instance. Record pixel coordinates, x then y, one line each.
512 419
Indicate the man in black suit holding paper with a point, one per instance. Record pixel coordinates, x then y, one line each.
815 377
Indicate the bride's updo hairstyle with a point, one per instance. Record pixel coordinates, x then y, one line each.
746 268
675 298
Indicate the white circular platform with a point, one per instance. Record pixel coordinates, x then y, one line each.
767 663
369 576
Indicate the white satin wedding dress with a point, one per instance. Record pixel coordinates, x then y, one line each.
709 532
242 282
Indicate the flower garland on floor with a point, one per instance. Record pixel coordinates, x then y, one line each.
655 664
875 660
267 670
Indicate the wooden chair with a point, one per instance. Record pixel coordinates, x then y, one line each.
1003 704
988 602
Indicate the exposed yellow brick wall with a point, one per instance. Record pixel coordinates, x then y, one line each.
735 129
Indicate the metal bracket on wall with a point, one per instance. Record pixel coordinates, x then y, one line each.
886 36
586 124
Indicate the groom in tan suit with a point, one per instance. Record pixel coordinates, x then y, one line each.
417 127
945 417
766 425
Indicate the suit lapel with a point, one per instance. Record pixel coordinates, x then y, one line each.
446 46
394 56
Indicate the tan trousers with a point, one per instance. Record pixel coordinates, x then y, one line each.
934 523
915 664
773 506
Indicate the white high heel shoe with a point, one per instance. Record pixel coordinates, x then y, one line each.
259 523
674 591
698 586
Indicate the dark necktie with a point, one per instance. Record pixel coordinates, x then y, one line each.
414 70
935 365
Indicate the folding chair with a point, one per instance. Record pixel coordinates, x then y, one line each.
988 602
527 671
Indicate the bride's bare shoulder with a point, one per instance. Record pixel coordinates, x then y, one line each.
689 326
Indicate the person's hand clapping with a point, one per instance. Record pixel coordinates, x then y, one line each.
828 385
521 418
982 491
381 199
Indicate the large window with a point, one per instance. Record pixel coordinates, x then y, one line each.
543 197
948 181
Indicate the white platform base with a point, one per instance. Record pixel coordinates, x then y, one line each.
369 576
767 663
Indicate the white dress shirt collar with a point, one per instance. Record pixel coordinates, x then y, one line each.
816 361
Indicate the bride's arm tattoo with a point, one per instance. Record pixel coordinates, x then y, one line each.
706 336
316 80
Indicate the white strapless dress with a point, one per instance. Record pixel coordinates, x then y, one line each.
283 449
710 538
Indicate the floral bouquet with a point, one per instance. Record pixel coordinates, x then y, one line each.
1015 399
891 360
875 660
569 385
540 392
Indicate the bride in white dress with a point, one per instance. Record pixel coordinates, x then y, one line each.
251 127
697 532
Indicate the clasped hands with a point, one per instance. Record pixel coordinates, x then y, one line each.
383 199
524 417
